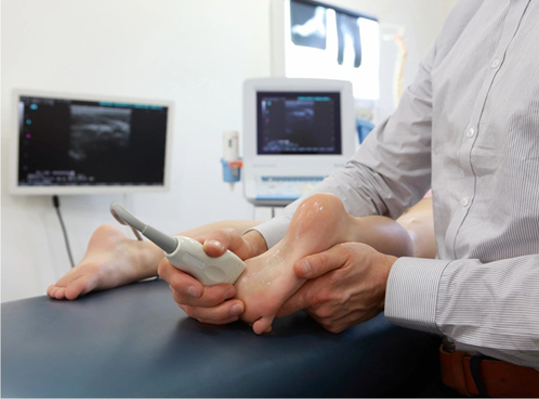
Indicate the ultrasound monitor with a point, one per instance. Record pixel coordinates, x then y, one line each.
74 144
296 132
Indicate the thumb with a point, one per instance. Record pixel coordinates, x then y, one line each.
301 300
217 242
316 265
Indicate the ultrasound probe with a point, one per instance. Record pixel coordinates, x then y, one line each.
185 253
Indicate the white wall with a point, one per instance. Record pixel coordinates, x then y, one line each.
195 53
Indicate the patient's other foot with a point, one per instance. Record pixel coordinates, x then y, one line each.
319 223
111 260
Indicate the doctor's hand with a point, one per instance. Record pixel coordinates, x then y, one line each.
212 305
346 286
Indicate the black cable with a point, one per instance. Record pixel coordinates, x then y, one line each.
56 203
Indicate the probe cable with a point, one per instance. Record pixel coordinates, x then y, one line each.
56 203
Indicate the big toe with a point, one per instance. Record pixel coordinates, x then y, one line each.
80 286
263 325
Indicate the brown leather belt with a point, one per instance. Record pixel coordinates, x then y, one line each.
486 377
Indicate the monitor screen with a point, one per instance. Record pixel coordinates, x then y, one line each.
67 142
298 123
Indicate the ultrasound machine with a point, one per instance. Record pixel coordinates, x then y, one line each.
296 133
85 144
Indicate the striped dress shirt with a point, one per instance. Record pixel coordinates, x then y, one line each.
468 127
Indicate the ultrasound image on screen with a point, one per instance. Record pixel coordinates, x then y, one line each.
298 123
96 130
80 143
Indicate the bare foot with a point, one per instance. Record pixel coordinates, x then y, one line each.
319 223
111 260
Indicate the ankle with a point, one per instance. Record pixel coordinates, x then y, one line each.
145 257
256 241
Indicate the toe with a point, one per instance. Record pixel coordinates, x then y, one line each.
60 293
49 290
53 291
263 325
80 286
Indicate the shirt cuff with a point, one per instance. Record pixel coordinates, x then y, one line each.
412 293
273 230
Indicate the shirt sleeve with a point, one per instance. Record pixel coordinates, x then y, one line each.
488 308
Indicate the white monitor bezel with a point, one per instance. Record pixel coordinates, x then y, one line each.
14 187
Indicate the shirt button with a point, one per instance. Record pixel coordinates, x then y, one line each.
464 201
495 63
470 133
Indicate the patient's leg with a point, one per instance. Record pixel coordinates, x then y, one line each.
419 222
112 259
319 223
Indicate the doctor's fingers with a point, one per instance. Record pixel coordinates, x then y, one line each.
337 323
179 280
212 296
224 313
